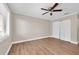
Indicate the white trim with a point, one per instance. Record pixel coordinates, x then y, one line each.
8 49
67 40
30 39
73 42
41 38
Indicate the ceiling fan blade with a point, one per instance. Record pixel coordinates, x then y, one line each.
57 10
44 9
54 6
44 13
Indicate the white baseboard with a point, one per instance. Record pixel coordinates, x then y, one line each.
30 39
71 41
67 41
74 42
8 49
41 38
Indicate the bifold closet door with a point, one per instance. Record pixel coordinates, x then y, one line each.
56 29
65 30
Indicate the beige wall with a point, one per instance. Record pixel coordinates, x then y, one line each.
28 27
6 41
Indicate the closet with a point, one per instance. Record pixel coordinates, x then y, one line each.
62 30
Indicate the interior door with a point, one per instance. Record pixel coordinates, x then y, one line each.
56 29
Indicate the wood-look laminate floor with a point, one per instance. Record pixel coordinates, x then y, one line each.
46 46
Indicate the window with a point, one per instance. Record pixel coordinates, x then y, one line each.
4 22
1 24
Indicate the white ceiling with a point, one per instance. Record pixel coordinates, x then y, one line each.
33 9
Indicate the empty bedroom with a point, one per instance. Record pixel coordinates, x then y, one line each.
39 28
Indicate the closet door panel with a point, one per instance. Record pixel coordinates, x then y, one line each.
56 29
68 30
62 31
65 30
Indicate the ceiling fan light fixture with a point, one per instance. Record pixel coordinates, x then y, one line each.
51 14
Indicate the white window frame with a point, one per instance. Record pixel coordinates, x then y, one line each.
3 23
5 32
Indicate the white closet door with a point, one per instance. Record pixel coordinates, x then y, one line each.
62 30
56 29
65 30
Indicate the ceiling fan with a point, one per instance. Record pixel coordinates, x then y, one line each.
51 9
